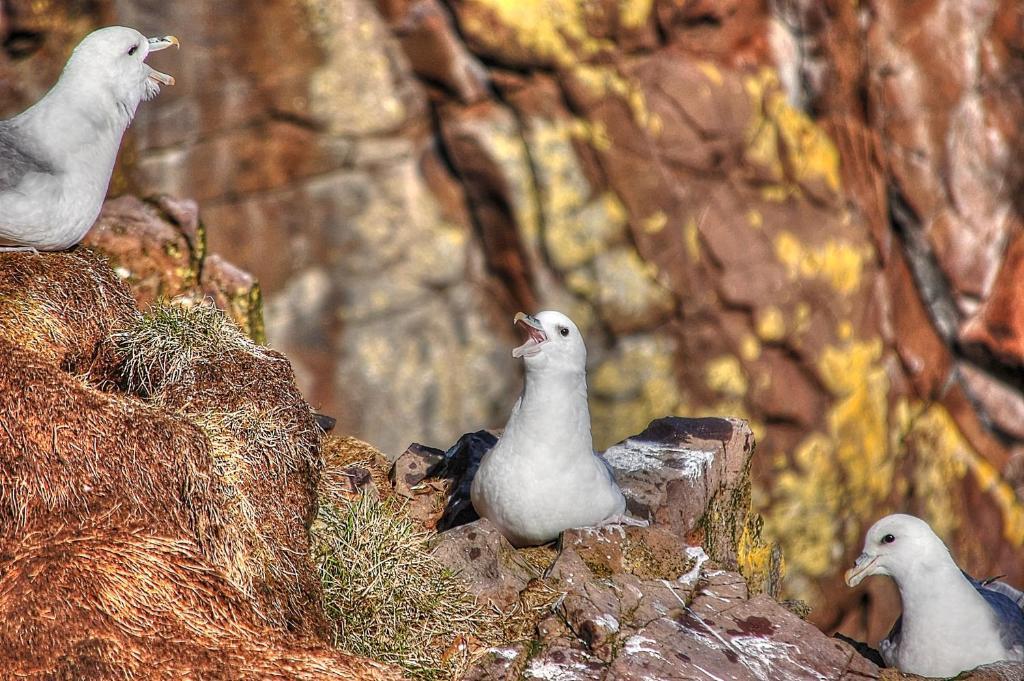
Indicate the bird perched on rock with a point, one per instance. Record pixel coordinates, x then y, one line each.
542 476
950 622
57 156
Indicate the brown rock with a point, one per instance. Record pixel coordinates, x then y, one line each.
726 196
152 254
998 401
237 293
672 470
429 41
493 569
645 552
998 327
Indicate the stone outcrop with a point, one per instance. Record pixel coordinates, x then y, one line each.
688 597
799 213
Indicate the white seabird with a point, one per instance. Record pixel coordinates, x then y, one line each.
56 157
950 623
542 476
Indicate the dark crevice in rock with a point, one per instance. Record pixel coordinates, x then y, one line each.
932 283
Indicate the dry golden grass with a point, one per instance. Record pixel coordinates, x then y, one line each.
72 449
157 480
191 360
108 599
63 307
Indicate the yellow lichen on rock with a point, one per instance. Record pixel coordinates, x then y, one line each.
725 375
770 324
635 13
839 475
760 562
655 222
710 71
750 349
606 81
553 32
807 494
628 290
691 237
632 387
859 421
946 458
594 133
784 140
839 263
348 100
577 224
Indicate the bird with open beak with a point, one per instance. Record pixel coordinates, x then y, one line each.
57 156
950 622
543 476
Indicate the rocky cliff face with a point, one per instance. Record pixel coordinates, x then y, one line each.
799 213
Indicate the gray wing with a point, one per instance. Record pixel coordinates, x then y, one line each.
1006 602
889 645
16 158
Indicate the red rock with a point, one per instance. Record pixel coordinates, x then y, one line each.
671 470
998 327
1000 402
429 40
493 569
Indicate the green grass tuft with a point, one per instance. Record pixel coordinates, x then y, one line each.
389 597
164 344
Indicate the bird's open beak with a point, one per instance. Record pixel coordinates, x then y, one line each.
535 335
861 569
155 45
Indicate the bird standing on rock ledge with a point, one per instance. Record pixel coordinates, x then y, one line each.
542 476
56 157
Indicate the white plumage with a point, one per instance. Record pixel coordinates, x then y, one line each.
950 623
56 157
542 476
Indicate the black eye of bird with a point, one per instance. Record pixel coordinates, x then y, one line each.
888 539
564 331
132 50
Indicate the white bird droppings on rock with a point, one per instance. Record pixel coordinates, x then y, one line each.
699 557
634 455
552 671
638 644
608 622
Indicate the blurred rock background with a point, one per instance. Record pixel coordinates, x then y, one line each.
801 213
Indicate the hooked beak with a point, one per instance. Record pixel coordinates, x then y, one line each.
861 569
535 335
155 45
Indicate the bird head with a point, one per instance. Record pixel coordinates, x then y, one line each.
898 545
112 61
553 343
